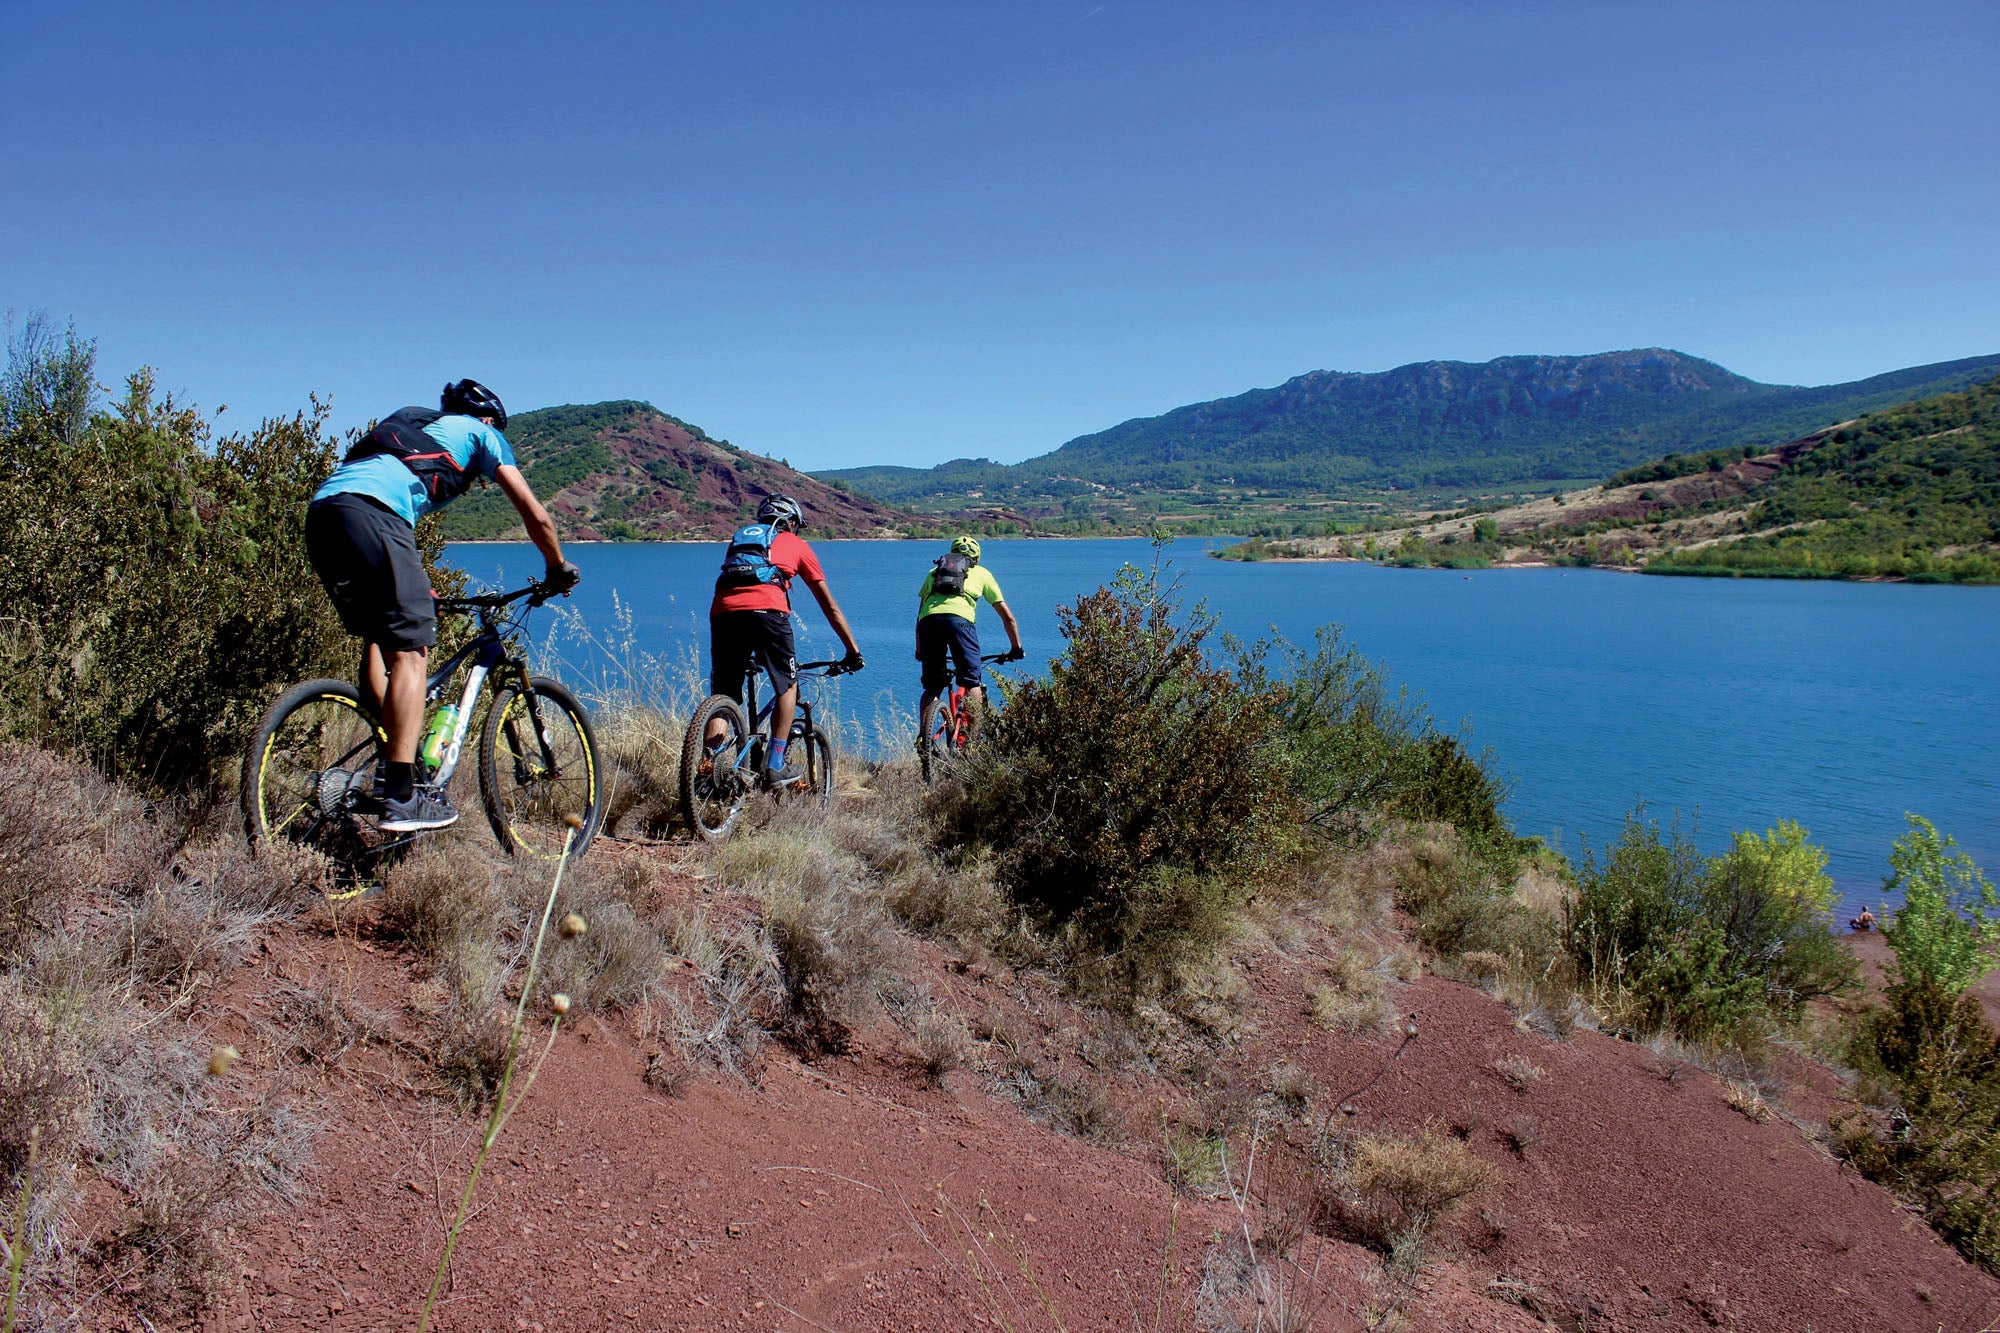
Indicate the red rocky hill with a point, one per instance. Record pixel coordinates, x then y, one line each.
626 470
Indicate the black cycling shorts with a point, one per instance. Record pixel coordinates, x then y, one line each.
942 633
367 559
740 641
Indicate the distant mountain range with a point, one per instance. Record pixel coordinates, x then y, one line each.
626 470
1911 491
1519 423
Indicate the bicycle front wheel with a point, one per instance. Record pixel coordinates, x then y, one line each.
539 766
715 783
309 766
815 780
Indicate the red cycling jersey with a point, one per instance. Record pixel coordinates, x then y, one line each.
789 554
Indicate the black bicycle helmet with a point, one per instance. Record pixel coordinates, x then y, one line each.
472 399
782 511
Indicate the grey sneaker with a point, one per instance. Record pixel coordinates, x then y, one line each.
427 808
794 769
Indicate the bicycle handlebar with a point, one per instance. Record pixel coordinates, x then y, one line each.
536 593
834 667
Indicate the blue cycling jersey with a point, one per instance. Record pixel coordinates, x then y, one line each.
474 445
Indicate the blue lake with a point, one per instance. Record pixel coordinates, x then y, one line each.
1730 703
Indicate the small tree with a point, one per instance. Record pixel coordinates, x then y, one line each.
1948 928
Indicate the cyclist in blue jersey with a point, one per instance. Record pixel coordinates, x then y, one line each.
361 538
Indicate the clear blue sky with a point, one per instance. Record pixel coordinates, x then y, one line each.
844 233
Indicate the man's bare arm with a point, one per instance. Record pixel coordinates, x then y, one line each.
824 596
541 528
1013 629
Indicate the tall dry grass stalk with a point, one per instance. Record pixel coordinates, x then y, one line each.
15 1242
502 1108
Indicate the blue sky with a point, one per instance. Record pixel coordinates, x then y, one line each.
844 233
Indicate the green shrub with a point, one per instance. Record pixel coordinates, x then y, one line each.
1351 746
154 589
1668 940
1133 795
1948 928
1941 1144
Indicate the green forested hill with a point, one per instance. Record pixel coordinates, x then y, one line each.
1913 491
1432 428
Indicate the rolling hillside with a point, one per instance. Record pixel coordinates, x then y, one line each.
1436 428
1912 491
626 470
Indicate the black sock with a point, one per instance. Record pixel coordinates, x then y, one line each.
400 782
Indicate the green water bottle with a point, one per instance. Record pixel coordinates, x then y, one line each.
438 736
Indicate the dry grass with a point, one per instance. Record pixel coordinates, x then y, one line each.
1392 1192
1354 997
619 958
824 923
723 1024
181 931
941 1043
644 745
447 898
1519 1071
1290 1088
1746 1097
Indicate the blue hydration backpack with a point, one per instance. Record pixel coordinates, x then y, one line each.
749 559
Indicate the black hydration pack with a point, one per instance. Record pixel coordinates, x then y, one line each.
948 574
749 559
401 436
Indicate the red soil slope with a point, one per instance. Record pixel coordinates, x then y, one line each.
842 1195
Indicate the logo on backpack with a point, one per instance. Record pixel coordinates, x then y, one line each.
749 559
401 436
948 573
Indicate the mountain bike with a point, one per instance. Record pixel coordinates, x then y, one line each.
310 774
945 728
718 779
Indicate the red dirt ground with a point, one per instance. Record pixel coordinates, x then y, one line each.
841 1195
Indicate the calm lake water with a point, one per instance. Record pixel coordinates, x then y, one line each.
1730 703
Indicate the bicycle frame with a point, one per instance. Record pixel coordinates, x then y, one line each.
490 651
487 653
760 718
952 714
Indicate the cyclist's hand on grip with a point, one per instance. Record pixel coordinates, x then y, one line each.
1015 655
851 662
561 578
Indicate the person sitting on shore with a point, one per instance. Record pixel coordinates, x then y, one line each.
1864 922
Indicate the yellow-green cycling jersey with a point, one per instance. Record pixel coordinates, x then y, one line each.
965 605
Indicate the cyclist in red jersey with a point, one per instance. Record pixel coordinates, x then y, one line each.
750 620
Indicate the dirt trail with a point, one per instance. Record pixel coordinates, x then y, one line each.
841 1195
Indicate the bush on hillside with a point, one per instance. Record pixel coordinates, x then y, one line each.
1359 754
1667 940
1948 928
1133 795
1941 1143
154 590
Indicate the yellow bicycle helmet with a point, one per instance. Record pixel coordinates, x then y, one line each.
966 546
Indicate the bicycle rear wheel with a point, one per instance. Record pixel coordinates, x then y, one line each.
538 766
309 768
715 782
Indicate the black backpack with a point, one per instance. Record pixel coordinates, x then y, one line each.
401 436
948 574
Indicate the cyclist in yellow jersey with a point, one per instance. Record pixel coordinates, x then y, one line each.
946 605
